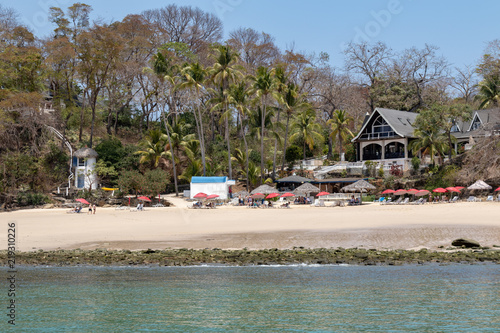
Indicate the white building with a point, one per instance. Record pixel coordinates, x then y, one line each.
84 161
210 185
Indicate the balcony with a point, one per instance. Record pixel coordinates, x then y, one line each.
378 136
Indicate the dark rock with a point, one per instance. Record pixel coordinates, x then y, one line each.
467 243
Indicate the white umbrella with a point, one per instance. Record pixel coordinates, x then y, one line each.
479 185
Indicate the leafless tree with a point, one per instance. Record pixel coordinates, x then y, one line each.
255 49
465 82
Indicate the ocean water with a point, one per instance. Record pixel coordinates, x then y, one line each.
428 298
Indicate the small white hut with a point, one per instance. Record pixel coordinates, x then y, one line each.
84 160
211 185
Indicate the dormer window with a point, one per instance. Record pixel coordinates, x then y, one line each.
455 127
380 126
378 129
476 124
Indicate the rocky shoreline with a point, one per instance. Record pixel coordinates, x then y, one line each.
244 257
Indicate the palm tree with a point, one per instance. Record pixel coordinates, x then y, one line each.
291 103
489 91
307 129
263 86
223 72
153 148
194 76
340 127
429 143
280 79
238 95
163 70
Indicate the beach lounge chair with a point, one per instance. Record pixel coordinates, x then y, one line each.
490 198
397 202
472 199
498 198
418 202
381 200
405 201
455 199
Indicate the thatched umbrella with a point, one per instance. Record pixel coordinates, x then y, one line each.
243 194
264 189
479 185
359 186
306 189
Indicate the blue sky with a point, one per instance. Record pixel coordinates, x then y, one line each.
461 29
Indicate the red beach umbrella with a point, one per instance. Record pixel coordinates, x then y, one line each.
144 198
83 201
388 191
257 196
200 195
212 196
412 191
459 187
320 194
287 194
440 190
272 195
452 189
498 189
400 192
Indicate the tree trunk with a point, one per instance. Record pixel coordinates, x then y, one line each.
275 147
202 135
262 141
286 140
171 153
246 152
228 148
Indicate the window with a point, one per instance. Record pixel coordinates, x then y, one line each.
476 123
81 162
380 126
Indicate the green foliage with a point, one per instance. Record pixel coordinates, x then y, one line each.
350 152
389 181
155 182
371 168
31 199
380 173
415 164
131 180
110 151
293 153
368 198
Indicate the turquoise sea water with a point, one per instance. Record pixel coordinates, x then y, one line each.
429 298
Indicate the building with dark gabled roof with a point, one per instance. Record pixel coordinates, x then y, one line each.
386 134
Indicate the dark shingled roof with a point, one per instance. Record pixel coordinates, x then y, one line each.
85 153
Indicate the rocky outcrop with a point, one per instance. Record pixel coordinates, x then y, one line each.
467 243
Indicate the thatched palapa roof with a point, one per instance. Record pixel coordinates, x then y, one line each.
305 189
264 189
359 186
479 185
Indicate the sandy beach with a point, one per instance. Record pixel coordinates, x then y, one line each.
367 226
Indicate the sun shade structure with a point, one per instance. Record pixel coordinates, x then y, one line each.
400 192
498 189
453 189
264 189
320 194
212 196
289 194
257 196
388 191
272 195
306 189
243 194
83 201
439 190
200 195
422 193
144 199
359 186
479 185
412 191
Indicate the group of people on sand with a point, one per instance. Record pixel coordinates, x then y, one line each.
92 209
354 201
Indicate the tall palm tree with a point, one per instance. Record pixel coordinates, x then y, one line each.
281 80
430 143
153 148
340 127
222 73
489 92
238 97
292 103
194 77
307 129
263 86
163 70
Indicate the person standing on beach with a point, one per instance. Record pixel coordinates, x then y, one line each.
94 208
90 209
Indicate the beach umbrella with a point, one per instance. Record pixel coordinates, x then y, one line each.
200 195
479 185
273 195
388 191
412 191
212 196
422 193
320 194
440 190
498 189
264 189
257 196
459 187
243 194
287 195
359 186
144 198
83 201
453 189
306 189
400 192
